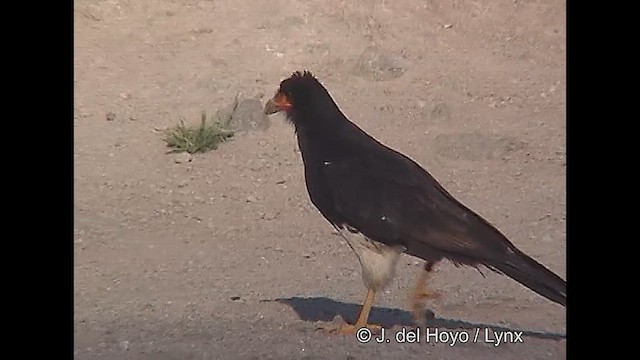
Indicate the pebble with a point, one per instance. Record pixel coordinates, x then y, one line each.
379 64
183 157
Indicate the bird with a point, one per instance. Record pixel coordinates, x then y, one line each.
385 204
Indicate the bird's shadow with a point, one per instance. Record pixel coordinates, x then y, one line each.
324 309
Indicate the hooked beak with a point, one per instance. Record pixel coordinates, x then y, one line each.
276 104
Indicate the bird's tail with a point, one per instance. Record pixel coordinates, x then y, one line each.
533 275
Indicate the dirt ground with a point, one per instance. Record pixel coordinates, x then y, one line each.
225 257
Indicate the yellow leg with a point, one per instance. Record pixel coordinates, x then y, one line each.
421 294
363 318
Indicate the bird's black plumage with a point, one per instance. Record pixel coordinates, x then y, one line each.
356 181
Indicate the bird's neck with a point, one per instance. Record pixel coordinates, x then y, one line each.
331 138
320 137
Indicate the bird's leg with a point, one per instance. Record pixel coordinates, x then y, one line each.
363 318
421 294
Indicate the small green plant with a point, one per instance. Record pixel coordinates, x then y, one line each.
197 139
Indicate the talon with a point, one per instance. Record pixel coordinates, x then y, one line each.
420 294
347 329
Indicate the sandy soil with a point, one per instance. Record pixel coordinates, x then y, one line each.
224 257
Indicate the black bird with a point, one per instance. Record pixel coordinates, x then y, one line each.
384 203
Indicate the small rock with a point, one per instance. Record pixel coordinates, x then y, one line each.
440 111
251 198
133 118
378 64
269 215
125 96
183 157
111 116
92 13
319 49
235 298
338 319
124 345
183 183
249 116
448 26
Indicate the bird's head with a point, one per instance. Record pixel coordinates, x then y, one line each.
298 95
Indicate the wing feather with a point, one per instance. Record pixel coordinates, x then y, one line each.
391 199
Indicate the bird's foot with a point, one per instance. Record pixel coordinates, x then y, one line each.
348 329
421 316
418 304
